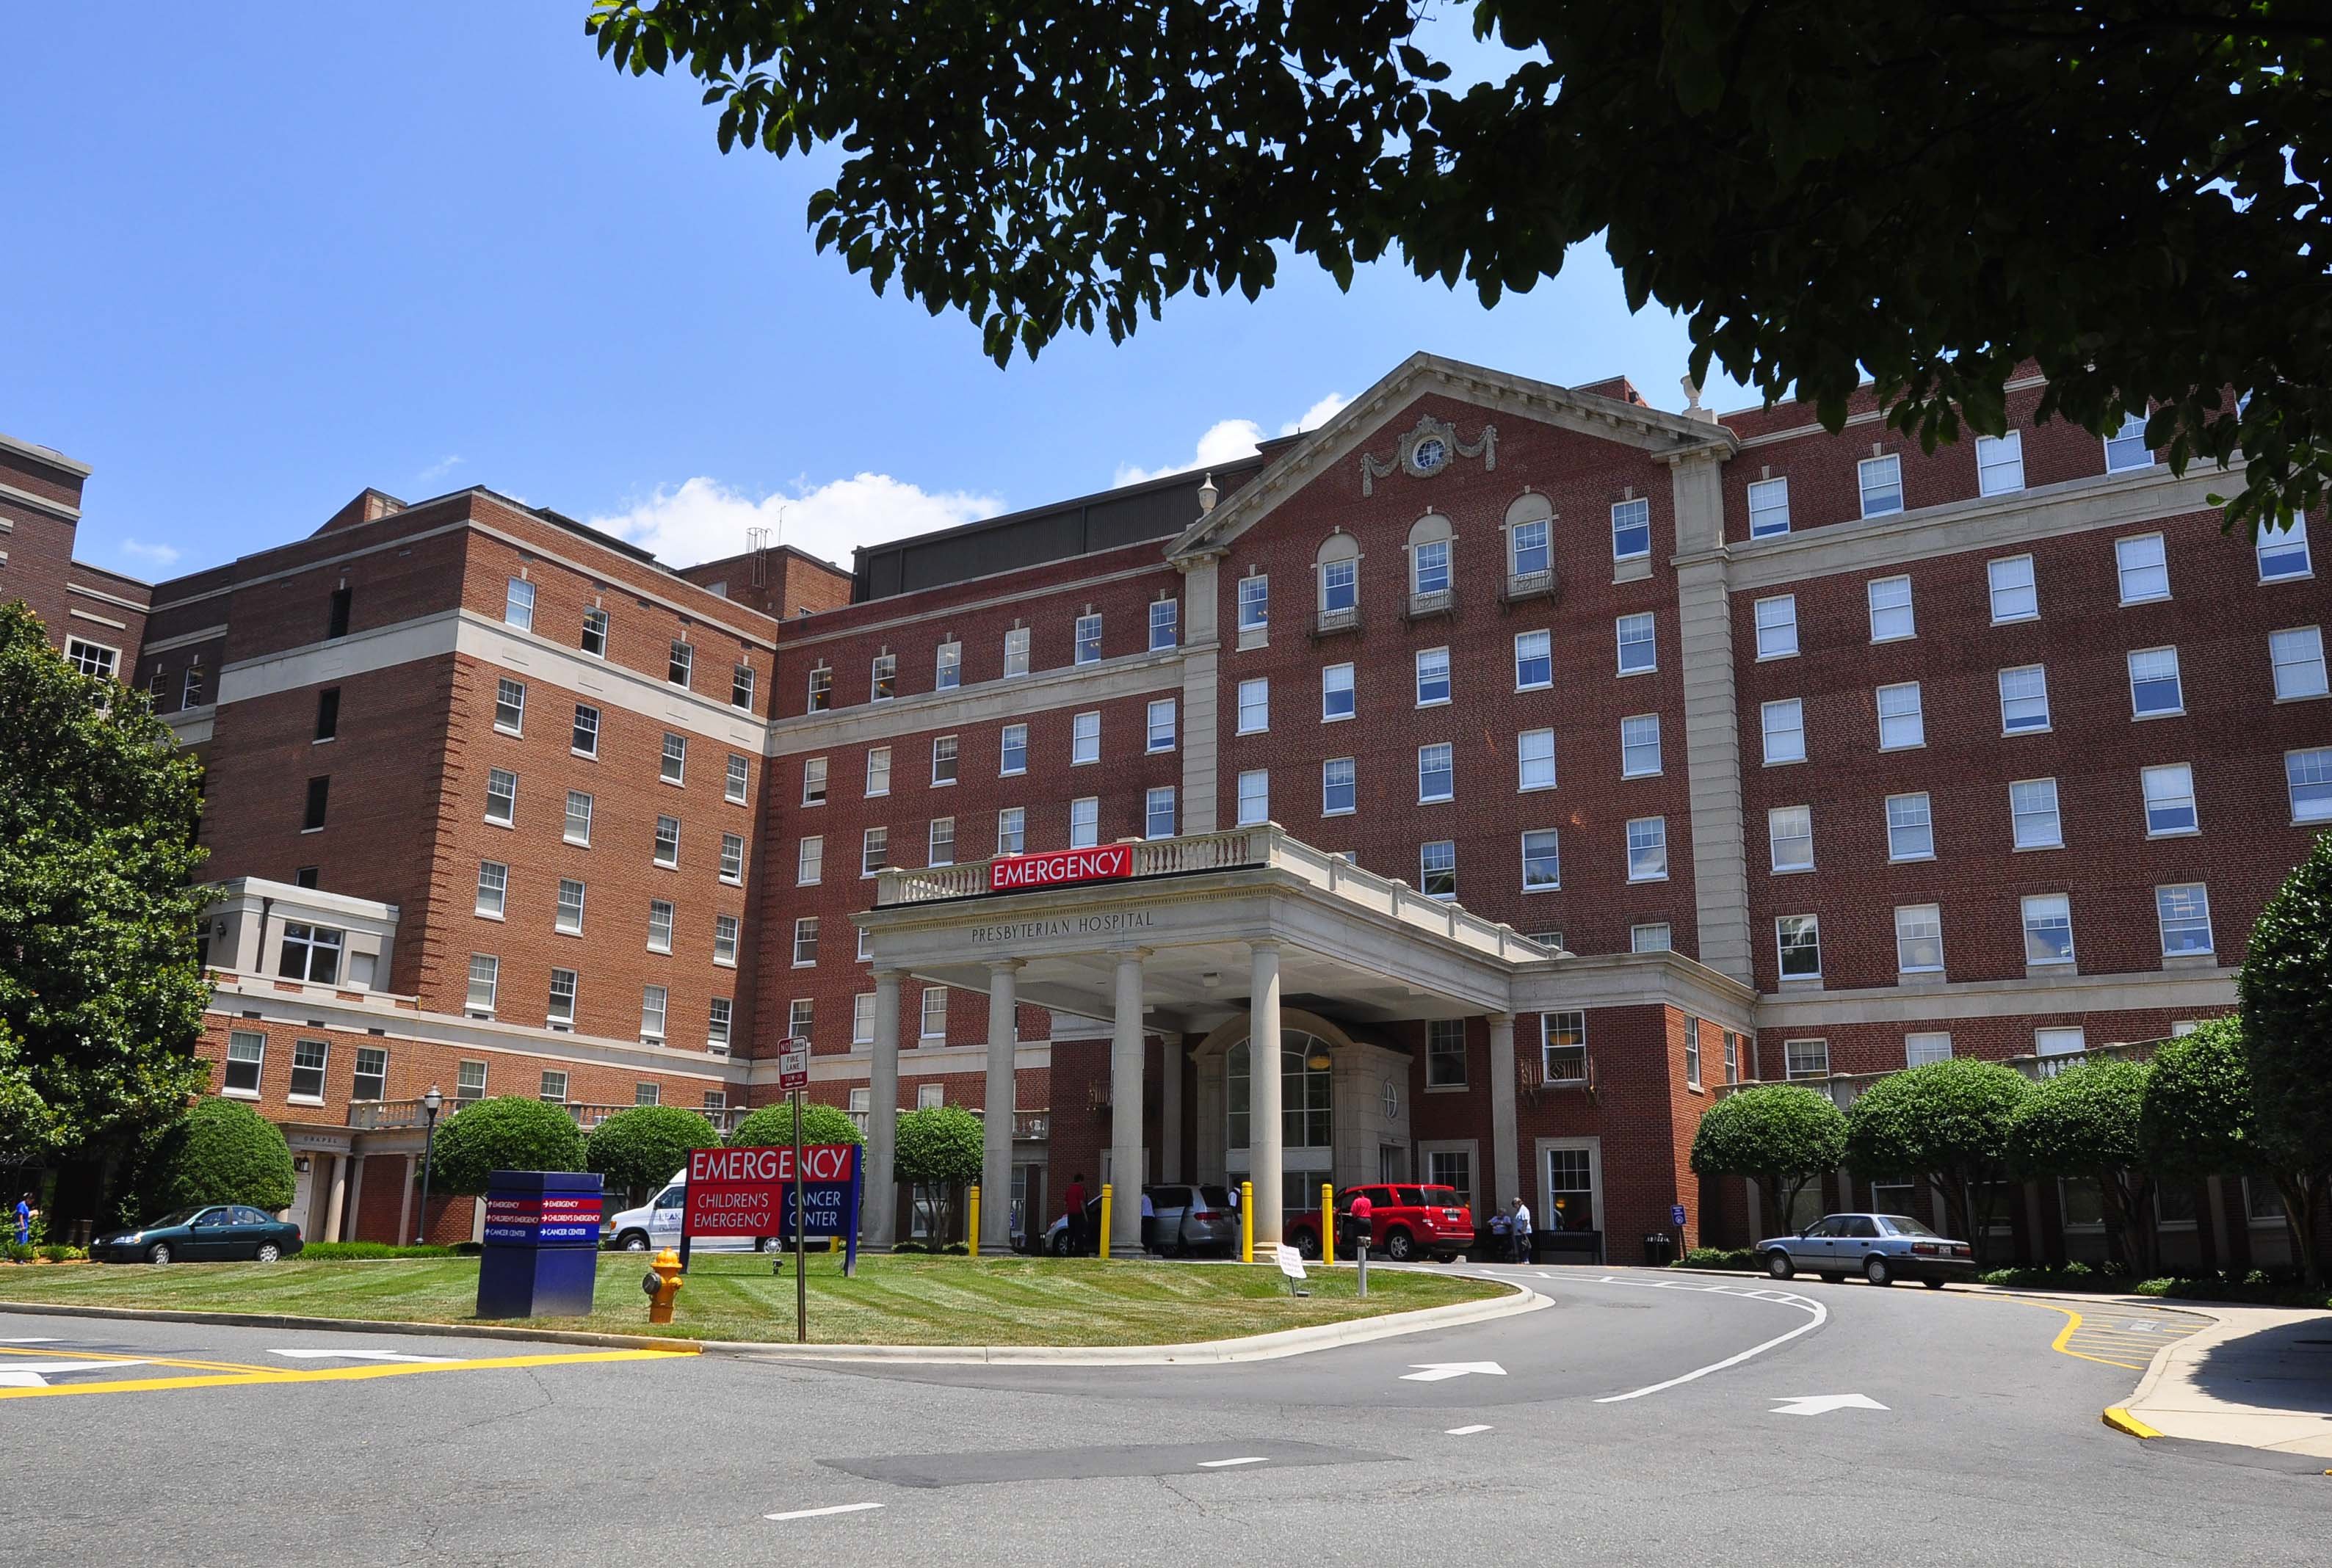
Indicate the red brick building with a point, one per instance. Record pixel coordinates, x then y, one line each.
1532 763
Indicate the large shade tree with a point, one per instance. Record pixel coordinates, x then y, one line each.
1782 1134
101 999
1947 1122
2128 192
2286 990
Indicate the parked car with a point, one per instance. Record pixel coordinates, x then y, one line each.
656 1224
1881 1247
212 1233
1405 1221
1186 1218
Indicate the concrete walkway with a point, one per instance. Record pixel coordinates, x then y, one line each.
2261 1377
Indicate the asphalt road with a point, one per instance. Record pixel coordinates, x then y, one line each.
1641 1419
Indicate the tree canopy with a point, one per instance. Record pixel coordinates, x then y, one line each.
2286 988
223 1152
2200 1118
2085 1122
503 1133
1947 1120
772 1126
2128 193
640 1148
101 1001
939 1144
1783 1135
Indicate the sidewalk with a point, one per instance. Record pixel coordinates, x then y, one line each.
2260 1376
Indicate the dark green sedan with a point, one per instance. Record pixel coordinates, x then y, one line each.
213 1233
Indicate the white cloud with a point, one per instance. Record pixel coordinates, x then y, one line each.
138 550
1229 440
703 519
439 469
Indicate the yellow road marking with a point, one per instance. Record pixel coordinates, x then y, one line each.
51 1351
2121 1420
270 1376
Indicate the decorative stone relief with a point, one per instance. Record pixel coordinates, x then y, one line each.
1426 450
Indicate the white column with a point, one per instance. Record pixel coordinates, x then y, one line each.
338 1201
996 1155
1125 1162
1506 1153
880 1217
1266 1152
404 1203
1174 1061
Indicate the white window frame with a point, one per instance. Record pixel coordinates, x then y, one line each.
874 850
939 841
1647 837
2169 786
2130 439
814 781
1535 760
809 860
1627 517
1640 733
655 1016
934 1000
2020 813
1919 1046
518 607
947 761
494 890
805 941
1879 480
1925 922
1651 936
1253 610
1165 623
661 919
2041 912
1012 830
569 832
1551 852
510 696
1350 785
2016 705
567 914
2308 768
495 777
1436 758
1085 739
1254 706
1925 824
1545 656
1158 725
2283 545
2183 905
1088 639
878 772
1427 658
1766 730
1768 498
947 667
1437 859
1254 798
2013 590
2298 653
1158 799
1784 927
1335 680
1015 652
1085 822
1904 727
1776 621
1791 828
1647 623
1894 615
2176 678
669 860
1012 743
2131 553
2000 463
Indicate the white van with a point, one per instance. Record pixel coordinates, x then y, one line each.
657 1225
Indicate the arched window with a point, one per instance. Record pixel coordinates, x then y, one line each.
1530 546
1430 541
1306 1092
1337 567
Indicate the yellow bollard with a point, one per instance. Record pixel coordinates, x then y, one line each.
971 1235
1105 1201
1246 1222
1327 1222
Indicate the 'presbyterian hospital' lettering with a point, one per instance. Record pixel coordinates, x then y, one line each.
1070 925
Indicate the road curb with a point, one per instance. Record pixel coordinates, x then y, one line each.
2121 1420
1216 1353
356 1325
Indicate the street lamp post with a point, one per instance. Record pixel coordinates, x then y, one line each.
431 1104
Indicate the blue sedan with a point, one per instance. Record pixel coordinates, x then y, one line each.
1881 1247
210 1233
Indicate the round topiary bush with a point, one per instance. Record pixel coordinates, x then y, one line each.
772 1127
638 1149
1783 1135
507 1134
223 1152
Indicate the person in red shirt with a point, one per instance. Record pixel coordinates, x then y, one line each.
1075 1200
1362 1226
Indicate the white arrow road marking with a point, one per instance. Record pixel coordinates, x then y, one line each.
822 1513
29 1339
1226 1464
1465 1431
32 1375
1437 1371
358 1355
1819 1404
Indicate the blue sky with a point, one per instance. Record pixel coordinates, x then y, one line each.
279 253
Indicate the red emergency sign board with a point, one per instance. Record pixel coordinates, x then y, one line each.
1103 863
744 1191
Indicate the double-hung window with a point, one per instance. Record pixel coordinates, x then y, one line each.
1012 830
821 689
1336 696
1158 812
2169 791
1165 623
2024 700
654 1001
2308 779
724 941
1158 725
579 819
1562 1052
1881 481
308 1058
1432 676
939 846
510 706
1918 938
518 604
1891 618
2014 595
667 841
1631 530
246 1055
943 760
814 781
1085 822
947 667
681 665
583 739
1777 627
1437 869
569 921
740 686
883 678
2048 928
2126 447
1085 739
1910 827
1638 652
732 858
2000 463
1254 610
502 796
1535 760
1769 507
1529 547
874 850
1339 787
1013 755
1541 860
675 767
2283 552
1640 746
485 977
1015 652
2154 687
805 941
2142 569
1797 942
1340 583
1790 836
1088 640
1647 849
878 771
1254 706
659 926
2183 913
1784 723
594 640
809 860
1444 1054
559 1011
1902 717
1436 778
2032 815
1534 661
493 888
2297 656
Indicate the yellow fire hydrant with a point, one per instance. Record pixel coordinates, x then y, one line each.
662 1283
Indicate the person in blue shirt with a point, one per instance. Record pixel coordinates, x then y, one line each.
25 1220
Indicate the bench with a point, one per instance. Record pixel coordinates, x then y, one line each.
1547 1244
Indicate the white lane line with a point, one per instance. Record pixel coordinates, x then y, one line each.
358 1355
822 1513
1226 1464
32 1339
1817 1314
1465 1431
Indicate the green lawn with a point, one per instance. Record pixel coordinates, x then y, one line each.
902 1300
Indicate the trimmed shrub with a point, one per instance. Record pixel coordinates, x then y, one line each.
1718 1257
1783 1135
504 1133
639 1148
2201 1118
772 1127
223 1152
344 1251
2085 1121
2286 989
1945 1120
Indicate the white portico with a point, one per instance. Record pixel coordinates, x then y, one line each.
1260 947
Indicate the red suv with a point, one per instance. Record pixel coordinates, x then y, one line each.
1404 1222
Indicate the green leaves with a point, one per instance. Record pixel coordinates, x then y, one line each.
939 1144
1779 1133
2286 988
504 1133
2081 1123
772 1126
1934 198
1948 1119
640 1148
223 1152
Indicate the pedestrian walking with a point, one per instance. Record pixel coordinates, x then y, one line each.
1074 1199
24 1212
1522 1229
